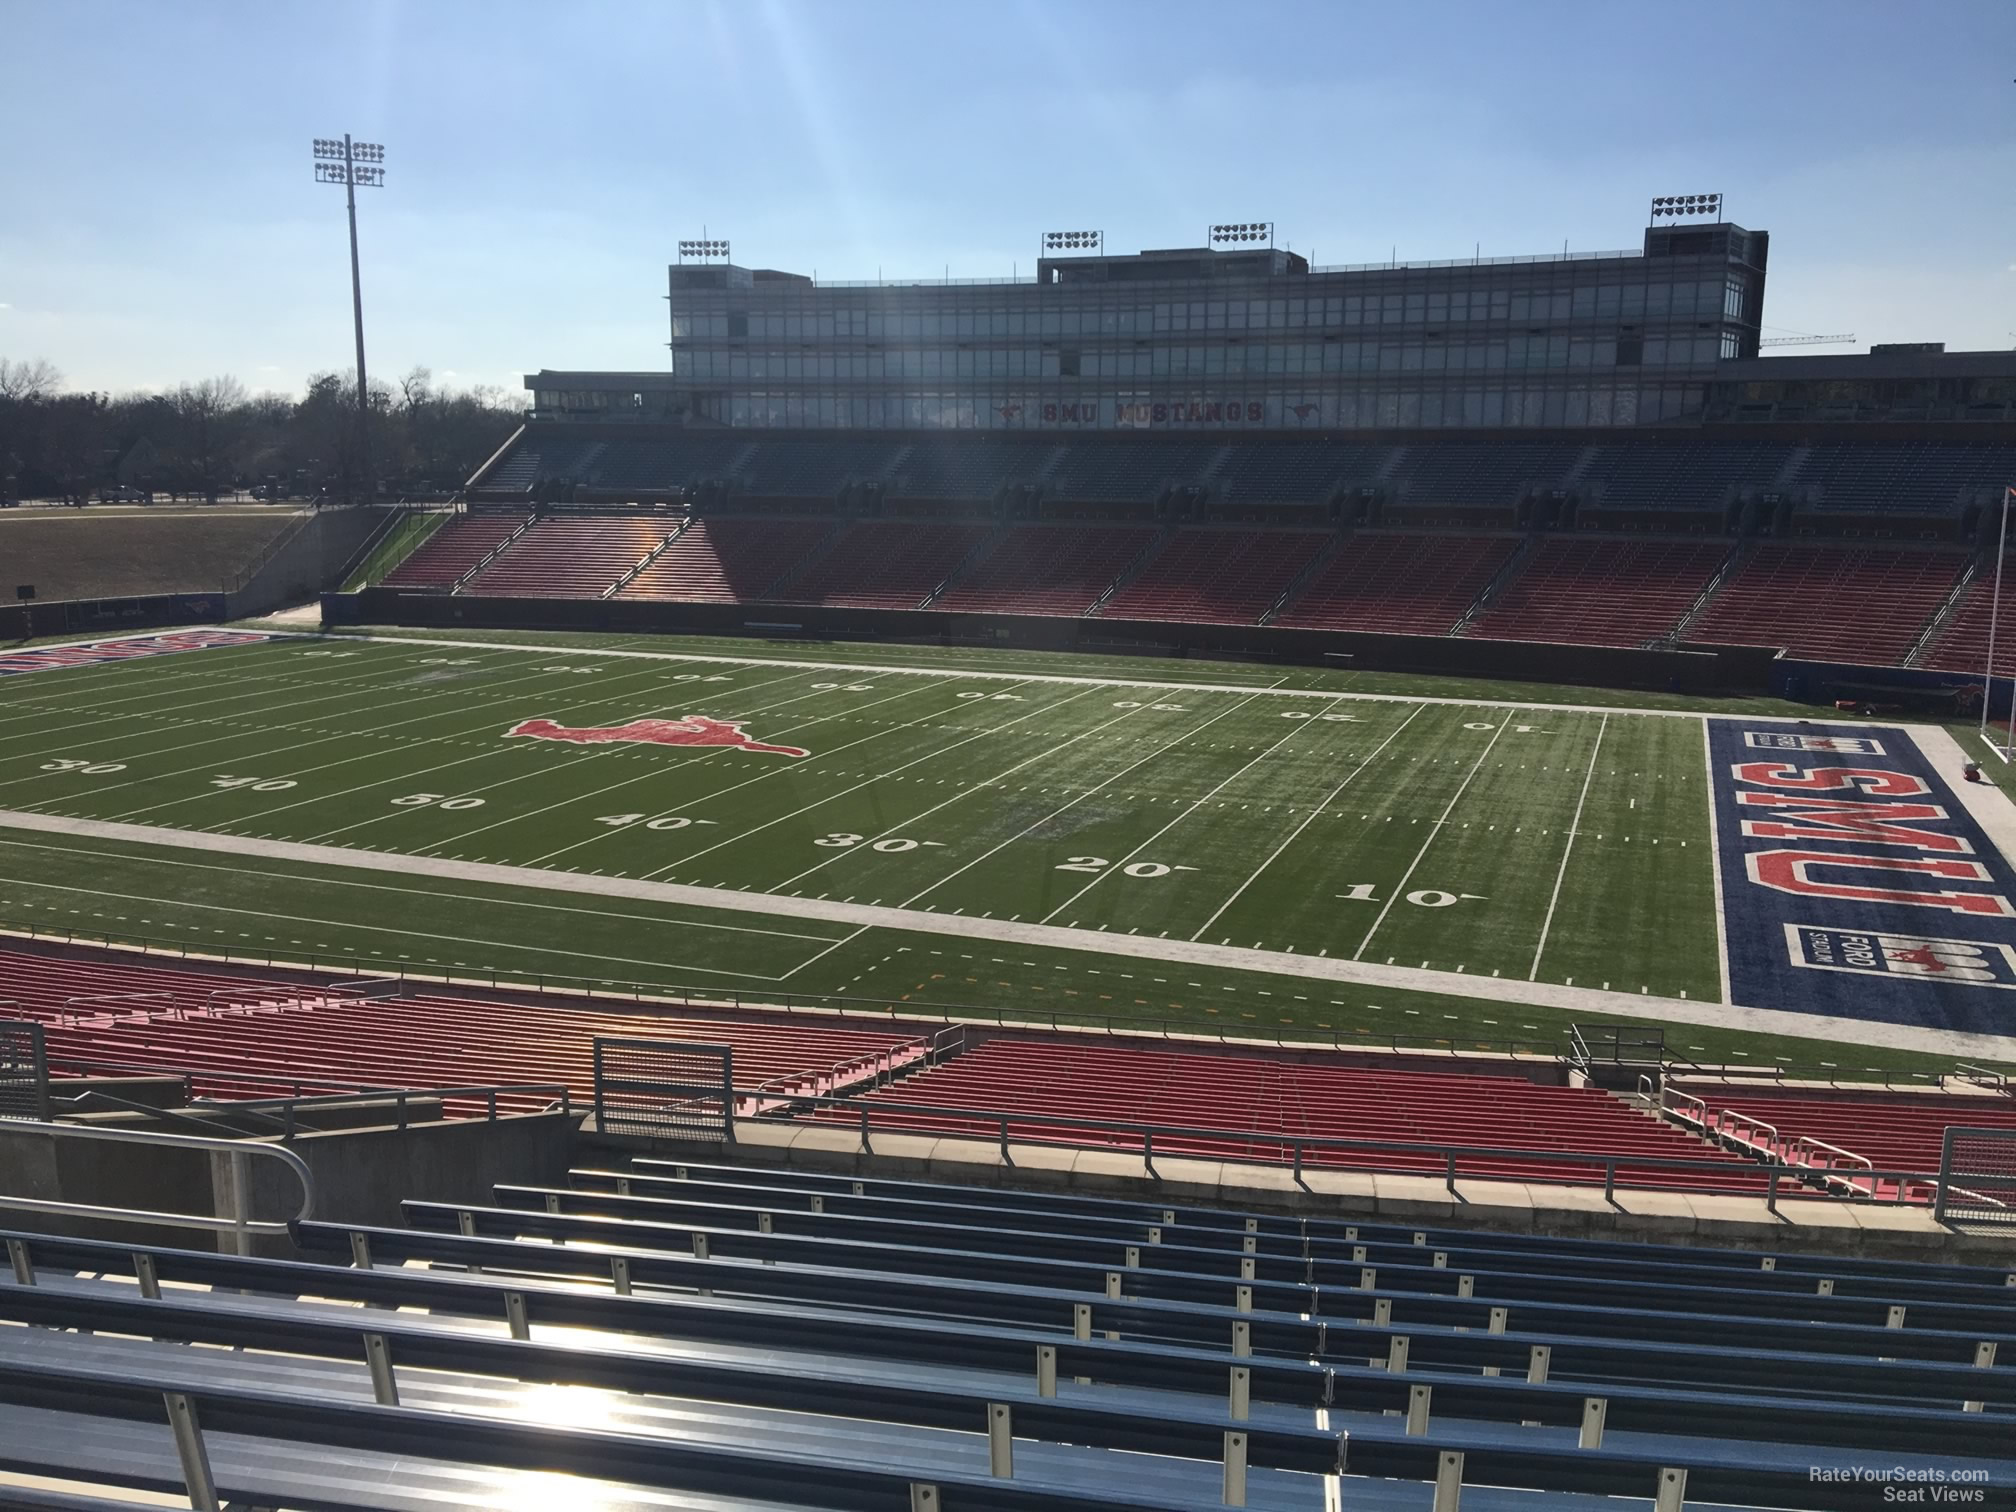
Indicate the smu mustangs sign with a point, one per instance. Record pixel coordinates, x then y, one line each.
1855 883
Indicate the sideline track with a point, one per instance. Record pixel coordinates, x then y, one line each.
1226 957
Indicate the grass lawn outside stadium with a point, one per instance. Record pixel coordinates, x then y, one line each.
1311 854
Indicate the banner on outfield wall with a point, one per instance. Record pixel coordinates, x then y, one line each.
1855 883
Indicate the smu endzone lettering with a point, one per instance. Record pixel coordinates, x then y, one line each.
1805 872
1832 819
1792 871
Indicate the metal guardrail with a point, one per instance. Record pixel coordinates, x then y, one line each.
236 1198
1298 1148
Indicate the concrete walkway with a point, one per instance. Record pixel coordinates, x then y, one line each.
1586 1002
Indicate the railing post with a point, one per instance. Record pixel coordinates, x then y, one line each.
1235 1469
1609 1181
378 1356
1000 1441
1672 1493
1771 1191
24 1268
1594 1410
1241 1395
240 1166
196 1477
1448 1481
1449 1178
1046 1370
1418 1398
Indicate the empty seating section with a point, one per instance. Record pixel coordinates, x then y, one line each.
1397 583
1962 644
1046 569
452 550
967 467
1601 593
1129 471
1866 606
1927 477
570 557
727 560
1260 1101
662 466
1892 1133
709 1331
1225 577
219 1025
814 469
1698 475
536 458
1478 473
1257 472
883 564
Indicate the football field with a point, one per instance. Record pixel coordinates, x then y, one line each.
1235 848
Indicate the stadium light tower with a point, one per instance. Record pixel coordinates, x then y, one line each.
350 164
1227 234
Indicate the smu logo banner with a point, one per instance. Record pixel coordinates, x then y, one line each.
129 648
686 730
1855 882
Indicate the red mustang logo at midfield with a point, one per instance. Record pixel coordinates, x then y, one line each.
686 730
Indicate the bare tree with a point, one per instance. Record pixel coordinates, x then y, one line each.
416 390
209 418
28 379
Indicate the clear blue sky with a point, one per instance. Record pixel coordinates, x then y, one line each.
161 221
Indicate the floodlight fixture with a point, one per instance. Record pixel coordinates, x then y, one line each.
1075 241
1684 206
705 249
351 164
1233 232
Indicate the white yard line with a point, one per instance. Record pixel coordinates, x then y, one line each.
923 669
1195 805
270 919
775 770
1434 830
814 959
807 808
1273 691
1313 814
966 792
319 738
568 763
1715 859
1580 1000
112 733
1574 828
1067 807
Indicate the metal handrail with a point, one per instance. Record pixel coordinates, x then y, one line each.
1299 1145
1733 1123
239 1223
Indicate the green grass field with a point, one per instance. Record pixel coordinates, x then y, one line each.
1272 816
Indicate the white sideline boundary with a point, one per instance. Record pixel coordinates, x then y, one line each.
881 670
1501 990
